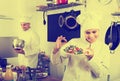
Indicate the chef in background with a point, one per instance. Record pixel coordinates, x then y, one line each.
28 54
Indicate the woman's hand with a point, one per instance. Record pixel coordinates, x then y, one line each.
89 53
59 43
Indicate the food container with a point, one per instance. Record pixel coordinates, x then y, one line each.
62 1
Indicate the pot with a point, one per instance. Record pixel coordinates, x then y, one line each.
18 43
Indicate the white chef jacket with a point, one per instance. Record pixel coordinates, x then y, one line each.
78 69
31 48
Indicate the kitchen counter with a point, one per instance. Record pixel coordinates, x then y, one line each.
49 78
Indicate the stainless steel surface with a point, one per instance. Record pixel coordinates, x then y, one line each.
6 47
18 43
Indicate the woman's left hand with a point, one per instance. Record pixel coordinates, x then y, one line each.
89 53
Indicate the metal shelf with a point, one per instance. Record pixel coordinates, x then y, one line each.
54 6
115 14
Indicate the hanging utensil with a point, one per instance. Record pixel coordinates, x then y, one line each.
112 36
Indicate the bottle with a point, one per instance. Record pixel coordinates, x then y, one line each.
50 3
22 76
8 74
1 73
77 1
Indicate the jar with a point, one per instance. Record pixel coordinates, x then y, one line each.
8 74
62 1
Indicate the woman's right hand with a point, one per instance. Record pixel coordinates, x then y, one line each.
59 43
89 53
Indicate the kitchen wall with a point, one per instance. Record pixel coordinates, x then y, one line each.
13 10
8 17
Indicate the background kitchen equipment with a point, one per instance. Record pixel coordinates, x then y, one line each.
3 63
63 24
50 3
6 47
70 20
18 44
112 37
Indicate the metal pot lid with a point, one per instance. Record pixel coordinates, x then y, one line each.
70 22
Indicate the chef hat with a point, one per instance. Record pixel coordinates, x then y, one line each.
25 19
89 21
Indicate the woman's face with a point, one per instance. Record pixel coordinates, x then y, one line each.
91 35
25 26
